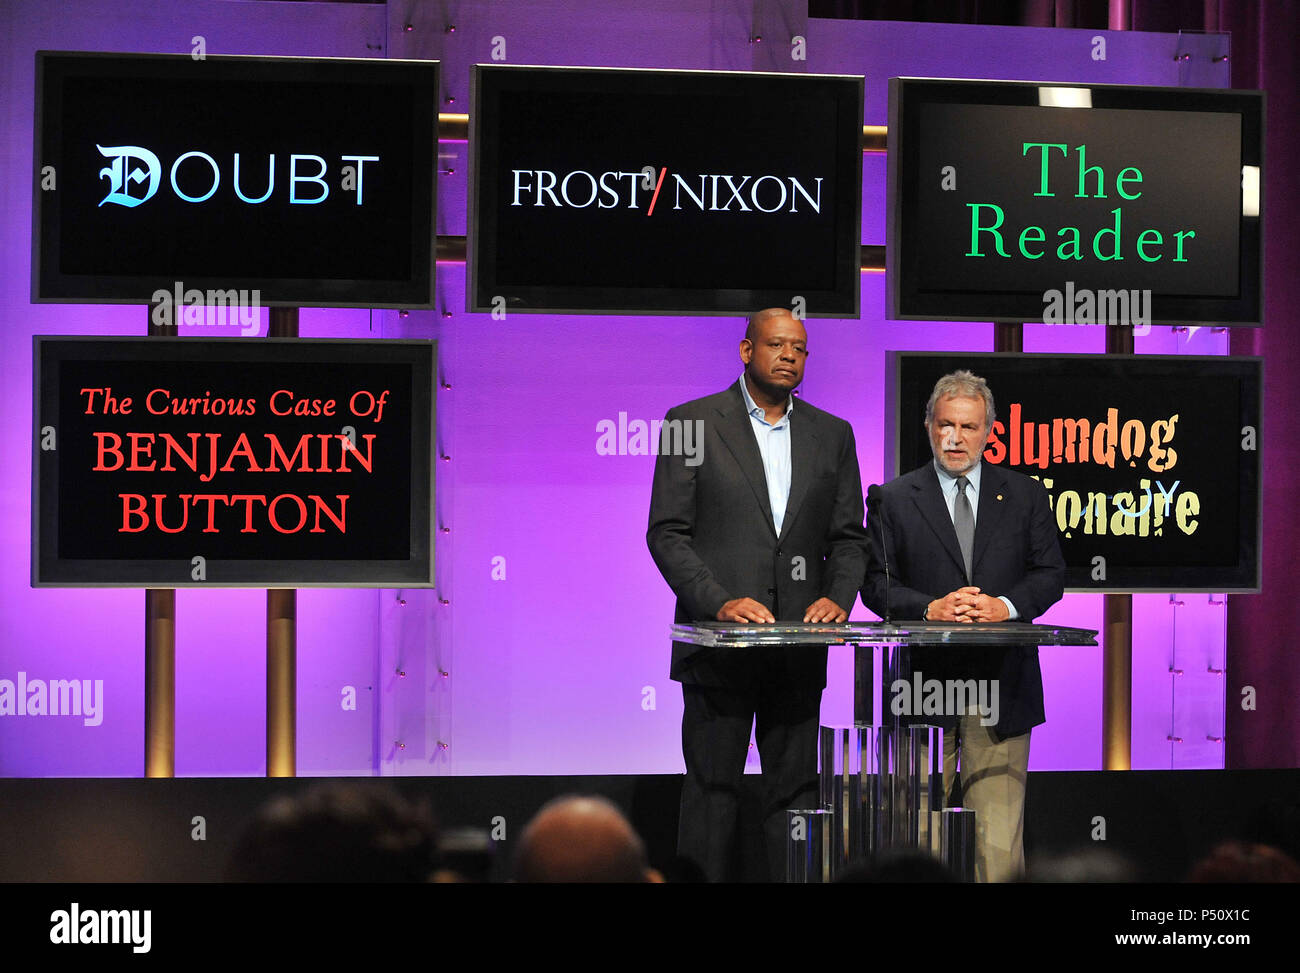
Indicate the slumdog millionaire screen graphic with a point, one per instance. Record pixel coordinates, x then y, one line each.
1002 193
1150 462
178 461
626 191
310 180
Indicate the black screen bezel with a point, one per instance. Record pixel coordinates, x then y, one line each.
51 570
905 450
49 285
489 80
906 301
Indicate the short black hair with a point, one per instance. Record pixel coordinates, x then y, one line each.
751 322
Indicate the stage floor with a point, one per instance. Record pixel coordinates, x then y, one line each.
183 829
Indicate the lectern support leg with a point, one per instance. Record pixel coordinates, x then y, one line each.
845 763
957 841
811 843
864 696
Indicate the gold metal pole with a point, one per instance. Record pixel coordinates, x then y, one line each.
1117 683
1117 640
281 682
872 258
160 682
453 127
159 652
874 138
450 249
282 635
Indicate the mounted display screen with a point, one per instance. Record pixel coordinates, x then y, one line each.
309 180
1071 204
1151 462
673 192
267 462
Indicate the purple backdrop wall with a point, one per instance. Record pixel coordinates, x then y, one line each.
494 673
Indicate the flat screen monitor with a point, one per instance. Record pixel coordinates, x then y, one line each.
1074 204
1150 462
186 462
309 180
607 191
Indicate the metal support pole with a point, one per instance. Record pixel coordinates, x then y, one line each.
1117 645
159 651
864 702
1008 336
281 682
1117 684
1117 640
160 682
282 635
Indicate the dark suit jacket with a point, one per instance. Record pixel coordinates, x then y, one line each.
712 537
1016 554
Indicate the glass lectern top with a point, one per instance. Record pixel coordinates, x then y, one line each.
743 634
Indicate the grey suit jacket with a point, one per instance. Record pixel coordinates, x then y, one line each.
711 531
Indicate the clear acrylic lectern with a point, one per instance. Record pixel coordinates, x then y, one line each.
881 778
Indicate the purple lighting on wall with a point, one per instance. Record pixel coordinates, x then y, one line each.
547 634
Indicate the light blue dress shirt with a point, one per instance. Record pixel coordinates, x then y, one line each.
774 447
948 486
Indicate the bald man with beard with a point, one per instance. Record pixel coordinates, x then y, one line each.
582 839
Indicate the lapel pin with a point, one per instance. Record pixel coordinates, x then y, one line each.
999 496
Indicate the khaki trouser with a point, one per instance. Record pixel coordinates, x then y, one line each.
993 773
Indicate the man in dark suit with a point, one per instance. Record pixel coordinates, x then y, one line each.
972 543
765 525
